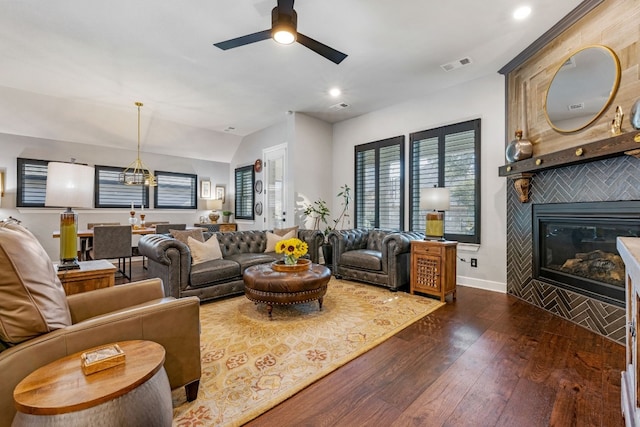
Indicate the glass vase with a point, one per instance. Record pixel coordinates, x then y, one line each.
290 260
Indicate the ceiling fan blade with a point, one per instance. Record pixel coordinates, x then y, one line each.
321 49
241 41
285 6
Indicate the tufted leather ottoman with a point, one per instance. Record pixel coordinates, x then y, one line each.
263 284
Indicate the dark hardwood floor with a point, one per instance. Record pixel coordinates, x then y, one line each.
487 359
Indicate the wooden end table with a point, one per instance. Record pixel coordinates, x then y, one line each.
136 392
90 276
433 267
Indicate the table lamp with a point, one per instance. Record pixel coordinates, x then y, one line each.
436 201
214 205
70 185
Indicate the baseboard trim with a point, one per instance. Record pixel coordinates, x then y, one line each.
482 284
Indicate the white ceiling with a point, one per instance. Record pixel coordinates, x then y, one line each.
104 55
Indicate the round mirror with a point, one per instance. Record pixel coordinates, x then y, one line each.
582 88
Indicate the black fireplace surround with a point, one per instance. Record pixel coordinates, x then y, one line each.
574 246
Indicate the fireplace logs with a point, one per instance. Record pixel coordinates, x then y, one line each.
597 265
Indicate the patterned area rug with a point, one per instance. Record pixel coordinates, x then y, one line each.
250 364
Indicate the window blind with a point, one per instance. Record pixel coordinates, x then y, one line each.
244 178
175 190
32 182
379 187
109 193
448 157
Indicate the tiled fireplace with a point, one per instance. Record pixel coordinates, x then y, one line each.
599 181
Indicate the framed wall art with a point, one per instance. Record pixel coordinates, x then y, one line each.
219 193
205 189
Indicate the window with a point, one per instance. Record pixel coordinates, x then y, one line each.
379 184
175 191
110 193
32 182
244 192
448 156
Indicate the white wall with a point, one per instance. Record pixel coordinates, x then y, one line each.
43 221
311 156
308 142
482 98
249 151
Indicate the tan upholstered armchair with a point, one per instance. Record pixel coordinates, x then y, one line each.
39 324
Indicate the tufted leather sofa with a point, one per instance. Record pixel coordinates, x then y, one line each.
381 257
170 260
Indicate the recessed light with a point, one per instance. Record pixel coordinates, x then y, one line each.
522 12
335 92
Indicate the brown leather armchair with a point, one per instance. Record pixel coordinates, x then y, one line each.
380 257
136 310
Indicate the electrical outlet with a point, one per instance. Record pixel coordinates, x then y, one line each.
474 262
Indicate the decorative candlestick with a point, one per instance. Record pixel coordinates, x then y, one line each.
133 219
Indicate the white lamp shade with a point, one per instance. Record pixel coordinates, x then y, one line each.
435 198
214 204
69 185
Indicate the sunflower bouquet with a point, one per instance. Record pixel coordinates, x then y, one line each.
292 249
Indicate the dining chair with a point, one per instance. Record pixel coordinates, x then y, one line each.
86 243
164 228
155 223
113 242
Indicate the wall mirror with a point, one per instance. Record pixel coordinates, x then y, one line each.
582 88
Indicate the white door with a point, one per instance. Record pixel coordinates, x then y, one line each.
275 197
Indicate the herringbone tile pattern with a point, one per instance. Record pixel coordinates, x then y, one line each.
604 180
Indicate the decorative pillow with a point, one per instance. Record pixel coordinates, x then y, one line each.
273 239
284 231
32 299
204 251
183 235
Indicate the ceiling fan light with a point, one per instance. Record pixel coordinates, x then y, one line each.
284 36
283 26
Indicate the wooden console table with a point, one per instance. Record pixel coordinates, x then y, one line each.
222 227
433 268
90 276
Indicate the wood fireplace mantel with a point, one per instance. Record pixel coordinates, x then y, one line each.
627 143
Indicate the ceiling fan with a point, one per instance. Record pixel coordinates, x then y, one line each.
284 22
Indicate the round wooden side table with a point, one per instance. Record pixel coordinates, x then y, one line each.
134 393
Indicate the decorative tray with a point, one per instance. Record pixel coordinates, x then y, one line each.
101 358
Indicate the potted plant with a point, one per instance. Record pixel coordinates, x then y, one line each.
320 213
225 216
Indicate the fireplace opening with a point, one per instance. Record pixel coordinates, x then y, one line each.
574 246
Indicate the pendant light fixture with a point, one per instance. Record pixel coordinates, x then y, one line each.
137 173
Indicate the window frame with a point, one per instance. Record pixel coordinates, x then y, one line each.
21 188
441 133
122 204
377 145
157 193
239 193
